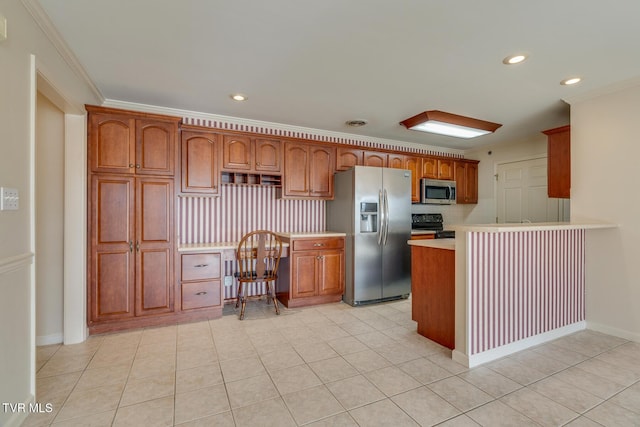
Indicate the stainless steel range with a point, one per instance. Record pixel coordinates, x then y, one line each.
431 222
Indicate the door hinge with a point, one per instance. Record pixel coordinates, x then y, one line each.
496 175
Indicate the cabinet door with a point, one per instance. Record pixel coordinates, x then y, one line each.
304 277
267 155
446 169
199 163
296 170
112 143
559 162
373 158
154 246
155 147
429 168
471 176
414 164
331 272
112 270
346 158
396 161
321 160
236 153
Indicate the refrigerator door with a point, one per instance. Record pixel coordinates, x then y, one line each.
367 253
396 256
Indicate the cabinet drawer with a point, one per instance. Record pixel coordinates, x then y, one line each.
318 244
200 266
200 294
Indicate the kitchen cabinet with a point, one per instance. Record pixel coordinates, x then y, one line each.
308 171
395 161
200 162
375 158
251 155
414 164
438 168
314 272
131 143
131 247
347 157
559 162
200 280
466 177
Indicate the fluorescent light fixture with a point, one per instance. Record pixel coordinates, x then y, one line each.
449 124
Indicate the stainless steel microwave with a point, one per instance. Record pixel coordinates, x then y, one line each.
437 192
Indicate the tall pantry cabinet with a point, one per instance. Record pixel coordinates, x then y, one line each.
132 163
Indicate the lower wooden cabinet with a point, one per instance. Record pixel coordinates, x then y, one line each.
200 284
313 273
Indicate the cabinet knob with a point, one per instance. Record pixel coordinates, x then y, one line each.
201 293
137 166
318 244
257 163
131 165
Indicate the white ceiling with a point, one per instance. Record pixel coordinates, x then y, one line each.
317 64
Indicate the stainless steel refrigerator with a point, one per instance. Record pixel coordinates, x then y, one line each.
373 207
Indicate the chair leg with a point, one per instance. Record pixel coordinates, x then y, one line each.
272 294
239 293
244 304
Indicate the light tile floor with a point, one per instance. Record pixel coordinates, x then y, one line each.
330 365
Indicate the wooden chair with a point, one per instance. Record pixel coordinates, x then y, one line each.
258 256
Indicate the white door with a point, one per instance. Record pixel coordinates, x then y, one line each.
522 194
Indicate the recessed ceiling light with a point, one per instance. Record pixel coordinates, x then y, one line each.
571 81
356 123
514 59
238 97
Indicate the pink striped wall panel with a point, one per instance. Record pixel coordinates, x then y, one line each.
523 284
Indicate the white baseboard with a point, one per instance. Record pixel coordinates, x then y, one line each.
514 347
49 339
609 330
19 416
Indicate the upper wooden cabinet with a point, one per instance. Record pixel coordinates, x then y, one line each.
308 171
375 158
437 168
347 157
395 161
131 143
466 176
559 162
251 155
200 162
414 164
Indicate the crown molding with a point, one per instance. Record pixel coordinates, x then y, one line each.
51 32
279 129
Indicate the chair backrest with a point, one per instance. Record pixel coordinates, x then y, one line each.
258 256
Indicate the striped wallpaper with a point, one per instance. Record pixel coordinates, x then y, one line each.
523 284
243 208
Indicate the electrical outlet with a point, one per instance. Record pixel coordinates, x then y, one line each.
9 199
228 280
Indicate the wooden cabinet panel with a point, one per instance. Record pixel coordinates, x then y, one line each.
321 171
331 273
155 147
414 164
466 177
446 169
308 171
303 274
434 168
559 162
153 282
201 266
429 168
236 153
112 143
374 158
347 157
317 244
112 271
267 155
396 161
200 280
200 161
296 175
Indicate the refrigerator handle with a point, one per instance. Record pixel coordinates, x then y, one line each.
381 217
386 217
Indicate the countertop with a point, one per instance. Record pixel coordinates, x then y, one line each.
221 246
449 244
503 228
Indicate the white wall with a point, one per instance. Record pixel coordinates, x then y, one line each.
605 149
17 129
49 207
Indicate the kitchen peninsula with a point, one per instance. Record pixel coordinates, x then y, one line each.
513 286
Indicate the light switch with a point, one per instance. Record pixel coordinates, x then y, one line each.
9 199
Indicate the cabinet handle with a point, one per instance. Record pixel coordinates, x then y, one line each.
131 246
137 166
137 246
131 165
257 163
201 265
201 293
318 244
